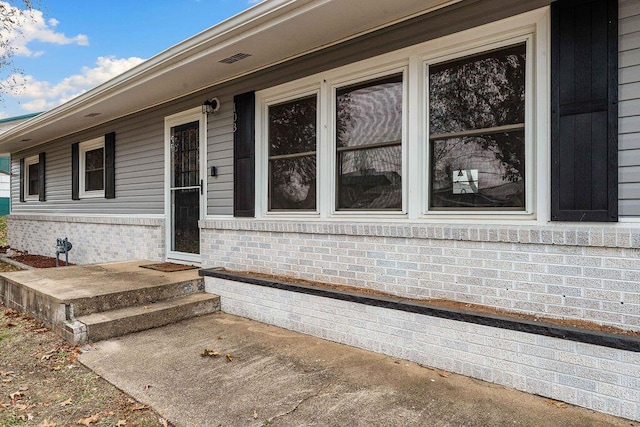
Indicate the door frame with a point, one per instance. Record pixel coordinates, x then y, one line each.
188 116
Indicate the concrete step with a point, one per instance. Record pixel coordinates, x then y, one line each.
118 299
113 323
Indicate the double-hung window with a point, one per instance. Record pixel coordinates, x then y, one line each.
31 178
477 131
368 120
92 168
292 154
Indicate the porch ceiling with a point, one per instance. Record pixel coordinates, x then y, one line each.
271 32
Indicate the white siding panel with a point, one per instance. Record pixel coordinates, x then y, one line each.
629 8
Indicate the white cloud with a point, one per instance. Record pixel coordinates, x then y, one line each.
39 95
32 26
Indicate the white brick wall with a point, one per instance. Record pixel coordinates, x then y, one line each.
94 239
599 378
590 273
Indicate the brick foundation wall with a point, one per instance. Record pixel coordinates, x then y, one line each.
590 273
595 377
94 239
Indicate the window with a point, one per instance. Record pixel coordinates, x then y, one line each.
31 178
92 168
369 145
477 131
292 155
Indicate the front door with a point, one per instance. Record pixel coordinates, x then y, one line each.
185 186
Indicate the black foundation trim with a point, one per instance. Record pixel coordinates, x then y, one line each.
604 339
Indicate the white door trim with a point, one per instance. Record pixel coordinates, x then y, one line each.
192 115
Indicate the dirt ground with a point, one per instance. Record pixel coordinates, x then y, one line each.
42 384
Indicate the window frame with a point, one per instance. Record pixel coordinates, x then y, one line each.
262 148
529 136
531 28
359 79
28 161
83 148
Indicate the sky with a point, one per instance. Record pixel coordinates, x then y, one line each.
68 47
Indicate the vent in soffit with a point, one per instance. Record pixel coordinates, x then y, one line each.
234 58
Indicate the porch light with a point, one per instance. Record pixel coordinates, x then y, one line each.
210 106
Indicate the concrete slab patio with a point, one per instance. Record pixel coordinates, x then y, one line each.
277 377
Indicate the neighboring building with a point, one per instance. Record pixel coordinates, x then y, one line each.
479 151
5 163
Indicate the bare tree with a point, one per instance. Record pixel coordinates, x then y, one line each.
12 15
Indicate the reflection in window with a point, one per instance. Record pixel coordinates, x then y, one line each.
94 170
476 125
292 155
33 184
369 145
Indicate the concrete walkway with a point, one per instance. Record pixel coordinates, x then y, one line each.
277 377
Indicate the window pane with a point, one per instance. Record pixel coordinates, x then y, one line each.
480 171
292 127
478 95
94 159
34 187
292 160
293 183
94 180
185 149
369 142
369 113
370 178
478 92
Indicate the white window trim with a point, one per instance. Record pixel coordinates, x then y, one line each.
532 27
262 148
83 147
28 161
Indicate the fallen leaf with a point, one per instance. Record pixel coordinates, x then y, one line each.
23 388
6 373
121 423
255 414
229 358
147 387
29 417
65 403
164 422
209 353
41 330
444 374
219 337
46 423
11 325
88 421
22 407
138 407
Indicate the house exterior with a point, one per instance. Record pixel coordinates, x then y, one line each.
5 163
483 152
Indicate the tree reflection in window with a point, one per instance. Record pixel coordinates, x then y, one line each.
292 155
476 126
369 144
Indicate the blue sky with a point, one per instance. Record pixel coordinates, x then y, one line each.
70 46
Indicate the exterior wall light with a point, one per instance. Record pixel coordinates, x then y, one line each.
210 106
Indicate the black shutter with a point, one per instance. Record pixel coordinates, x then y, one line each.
110 165
22 180
244 156
41 175
75 171
584 119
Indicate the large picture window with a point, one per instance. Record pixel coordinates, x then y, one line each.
477 131
369 145
292 155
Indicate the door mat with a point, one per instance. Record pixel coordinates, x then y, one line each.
169 267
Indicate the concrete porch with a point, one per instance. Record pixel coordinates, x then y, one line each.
94 302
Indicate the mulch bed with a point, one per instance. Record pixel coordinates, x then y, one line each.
169 267
39 261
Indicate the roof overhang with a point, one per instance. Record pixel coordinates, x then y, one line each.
271 32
